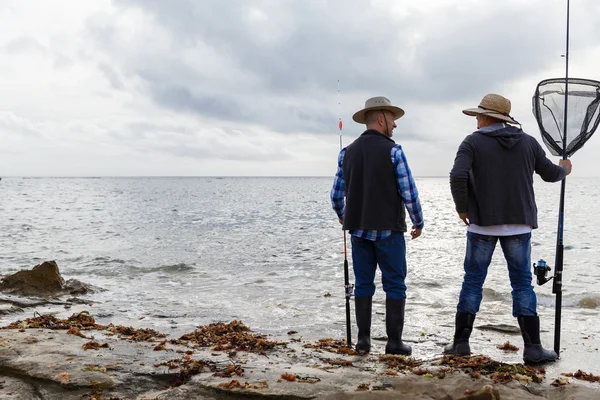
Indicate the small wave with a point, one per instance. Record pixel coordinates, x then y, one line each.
108 260
175 268
491 294
581 300
589 302
430 284
169 316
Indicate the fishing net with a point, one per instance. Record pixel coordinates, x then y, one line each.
582 113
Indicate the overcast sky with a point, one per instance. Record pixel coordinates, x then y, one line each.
250 87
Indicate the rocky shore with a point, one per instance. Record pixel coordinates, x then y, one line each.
45 357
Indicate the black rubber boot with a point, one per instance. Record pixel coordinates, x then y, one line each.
363 306
394 325
464 327
534 352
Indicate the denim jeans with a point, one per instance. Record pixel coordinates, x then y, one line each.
390 254
517 252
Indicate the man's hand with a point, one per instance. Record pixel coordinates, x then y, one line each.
341 221
566 164
465 217
415 233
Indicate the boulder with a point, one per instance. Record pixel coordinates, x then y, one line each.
43 280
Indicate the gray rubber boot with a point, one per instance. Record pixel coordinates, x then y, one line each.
533 352
362 307
464 327
394 325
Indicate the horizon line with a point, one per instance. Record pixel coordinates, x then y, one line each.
205 176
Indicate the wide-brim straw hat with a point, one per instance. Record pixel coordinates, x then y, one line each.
377 103
493 105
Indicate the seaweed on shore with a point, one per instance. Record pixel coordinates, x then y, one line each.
133 334
229 371
584 376
338 362
225 337
93 345
187 367
83 321
332 345
235 384
397 363
75 323
499 372
508 346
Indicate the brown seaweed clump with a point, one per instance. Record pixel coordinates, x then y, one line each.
231 370
288 377
333 346
224 337
132 334
583 376
187 367
362 387
81 321
93 345
235 384
397 363
499 372
84 321
508 346
338 362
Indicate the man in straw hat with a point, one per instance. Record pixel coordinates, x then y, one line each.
375 180
492 187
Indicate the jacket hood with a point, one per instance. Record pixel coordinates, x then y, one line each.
507 137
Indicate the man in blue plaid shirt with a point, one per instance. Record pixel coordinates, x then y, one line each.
372 187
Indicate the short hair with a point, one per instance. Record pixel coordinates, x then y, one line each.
371 116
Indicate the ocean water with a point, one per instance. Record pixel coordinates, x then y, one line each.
172 253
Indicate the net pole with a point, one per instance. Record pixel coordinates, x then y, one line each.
347 287
557 286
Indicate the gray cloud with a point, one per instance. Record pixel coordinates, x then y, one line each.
13 124
112 76
24 44
300 49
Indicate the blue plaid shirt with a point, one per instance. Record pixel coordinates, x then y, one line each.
406 188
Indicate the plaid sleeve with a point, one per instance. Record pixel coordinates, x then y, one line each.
407 188
338 191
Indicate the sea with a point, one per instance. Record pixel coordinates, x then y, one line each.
172 253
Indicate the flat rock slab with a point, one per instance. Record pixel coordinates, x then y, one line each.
51 364
501 328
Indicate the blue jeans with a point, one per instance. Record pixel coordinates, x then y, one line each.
517 252
390 254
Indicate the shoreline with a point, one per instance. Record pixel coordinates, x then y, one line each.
49 358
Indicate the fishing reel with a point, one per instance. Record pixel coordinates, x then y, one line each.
541 271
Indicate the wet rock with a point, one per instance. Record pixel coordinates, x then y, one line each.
588 302
488 392
43 280
6 309
75 287
500 328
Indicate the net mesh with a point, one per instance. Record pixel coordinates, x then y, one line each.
583 113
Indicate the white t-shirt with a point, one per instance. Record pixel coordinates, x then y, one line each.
500 230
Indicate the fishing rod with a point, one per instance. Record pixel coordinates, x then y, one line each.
558 261
585 100
347 288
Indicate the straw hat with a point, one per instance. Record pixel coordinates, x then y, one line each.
493 105
377 103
